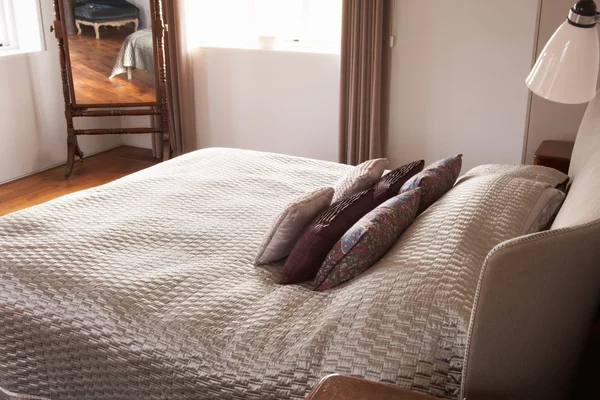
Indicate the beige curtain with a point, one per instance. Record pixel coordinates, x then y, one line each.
181 88
69 9
365 79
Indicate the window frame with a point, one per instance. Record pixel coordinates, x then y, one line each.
24 25
9 30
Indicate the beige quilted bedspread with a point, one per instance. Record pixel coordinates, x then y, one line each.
145 288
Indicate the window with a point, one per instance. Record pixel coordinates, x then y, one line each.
20 26
7 36
303 24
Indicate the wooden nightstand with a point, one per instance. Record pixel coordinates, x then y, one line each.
554 154
338 387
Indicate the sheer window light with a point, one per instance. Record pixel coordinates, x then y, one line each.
20 23
303 24
7 37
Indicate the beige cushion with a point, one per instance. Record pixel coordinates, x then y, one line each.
361 178
287 227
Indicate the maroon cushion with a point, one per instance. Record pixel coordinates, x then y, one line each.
390 185
321 234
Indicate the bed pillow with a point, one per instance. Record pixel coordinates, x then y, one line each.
548 200
360 178
545 210
368 240
391 184
435 180
287 227
321 234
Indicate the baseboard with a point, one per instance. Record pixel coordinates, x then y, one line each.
58 165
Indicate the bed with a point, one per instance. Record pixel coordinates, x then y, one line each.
145 288
137 52
98 13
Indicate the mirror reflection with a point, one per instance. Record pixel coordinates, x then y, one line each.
111 51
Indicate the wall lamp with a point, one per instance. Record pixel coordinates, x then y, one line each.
567 69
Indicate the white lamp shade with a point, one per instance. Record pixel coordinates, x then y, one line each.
567 69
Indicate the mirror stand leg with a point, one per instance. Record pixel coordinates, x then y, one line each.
72 151
71 148
166 147
78 151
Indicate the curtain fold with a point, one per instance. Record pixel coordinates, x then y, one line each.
69 11
179 71
364 79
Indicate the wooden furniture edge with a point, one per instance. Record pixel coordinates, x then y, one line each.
331 387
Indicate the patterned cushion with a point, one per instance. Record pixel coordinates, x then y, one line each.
435 180
361 178
391 184
368 240
320 235
287 227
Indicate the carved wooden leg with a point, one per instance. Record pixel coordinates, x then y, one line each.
78 151
72 151
166 147
97 29
71 146
130 73
78 27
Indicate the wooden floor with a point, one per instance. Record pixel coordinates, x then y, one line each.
92 62
93 171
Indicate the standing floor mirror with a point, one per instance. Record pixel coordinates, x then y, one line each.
112 58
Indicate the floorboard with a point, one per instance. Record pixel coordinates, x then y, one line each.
93 171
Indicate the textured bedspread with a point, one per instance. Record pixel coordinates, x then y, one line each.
137 51
145 289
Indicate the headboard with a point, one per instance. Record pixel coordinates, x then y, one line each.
583 201
538 295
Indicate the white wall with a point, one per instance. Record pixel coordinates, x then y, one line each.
266 100
458 80
33 130
144 140
548 120
457 86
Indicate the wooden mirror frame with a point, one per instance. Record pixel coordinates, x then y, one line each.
159 109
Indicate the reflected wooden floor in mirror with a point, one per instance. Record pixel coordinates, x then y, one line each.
92 62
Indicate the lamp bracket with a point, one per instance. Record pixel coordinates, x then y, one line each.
584 14
583 21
